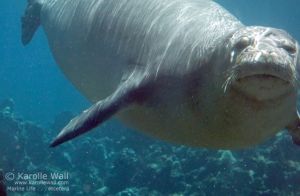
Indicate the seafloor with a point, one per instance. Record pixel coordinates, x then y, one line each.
118 161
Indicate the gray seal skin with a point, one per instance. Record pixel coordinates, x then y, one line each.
185 71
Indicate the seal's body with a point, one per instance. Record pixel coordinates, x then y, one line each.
185 71
107 39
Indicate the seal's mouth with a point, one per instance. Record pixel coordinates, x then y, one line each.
263 81
263 77
265 72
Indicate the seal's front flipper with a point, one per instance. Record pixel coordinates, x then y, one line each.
294 130
134 90
31 20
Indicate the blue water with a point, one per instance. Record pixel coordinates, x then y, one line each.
30 76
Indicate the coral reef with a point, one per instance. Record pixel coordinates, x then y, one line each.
2 185
118 161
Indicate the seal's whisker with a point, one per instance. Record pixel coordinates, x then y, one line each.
295 82
231 77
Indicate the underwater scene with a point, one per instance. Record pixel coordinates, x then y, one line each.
44 153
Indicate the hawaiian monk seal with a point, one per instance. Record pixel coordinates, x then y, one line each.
185 71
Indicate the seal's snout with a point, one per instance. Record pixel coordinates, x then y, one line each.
264 74
267 63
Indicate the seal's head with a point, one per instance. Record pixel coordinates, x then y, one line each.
263 63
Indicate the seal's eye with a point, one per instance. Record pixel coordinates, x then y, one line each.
243 43
289 48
